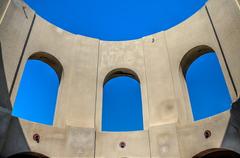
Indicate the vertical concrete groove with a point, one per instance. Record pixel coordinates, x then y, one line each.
24 11
4 12
222 52
149 140
95 110
174 89
22 54
170 66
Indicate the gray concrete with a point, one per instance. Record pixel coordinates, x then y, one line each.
3 8
228 30
13 38
114 55
169 129
137 145
231 138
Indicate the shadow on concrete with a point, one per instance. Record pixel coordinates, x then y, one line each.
12 139
15 140
231 138
28 155
4 93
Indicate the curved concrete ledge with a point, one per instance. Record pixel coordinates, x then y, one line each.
169 129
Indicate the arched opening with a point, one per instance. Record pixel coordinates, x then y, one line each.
28 155
38 89
205 81
122 102
217 153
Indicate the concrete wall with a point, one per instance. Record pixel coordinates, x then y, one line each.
228 33
169 129
3 8
12 39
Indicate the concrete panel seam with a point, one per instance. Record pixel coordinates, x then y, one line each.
170 65
222 52
4 12
94 153
22 54
148 130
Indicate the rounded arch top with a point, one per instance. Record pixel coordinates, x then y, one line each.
49 59
192 55
121 72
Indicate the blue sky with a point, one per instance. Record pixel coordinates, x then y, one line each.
122 105
115 20
207 88
37 93
122 102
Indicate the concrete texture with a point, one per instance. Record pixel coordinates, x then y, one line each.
108 145
115 55
228 31
158 61
3 8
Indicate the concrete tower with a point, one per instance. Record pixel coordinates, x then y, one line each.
158 60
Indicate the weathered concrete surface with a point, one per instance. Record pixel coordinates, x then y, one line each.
161 94
137 145
13 38
191 137
78 55
164 141
77 135
198 30
169 129
226 21
54 142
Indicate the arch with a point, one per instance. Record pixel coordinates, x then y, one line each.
217 153
207 89
37 94
192 55
122 102
49 59
121 72
28 155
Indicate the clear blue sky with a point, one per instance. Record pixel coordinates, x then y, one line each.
115 19
207 87
36 98
118 20
122 105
